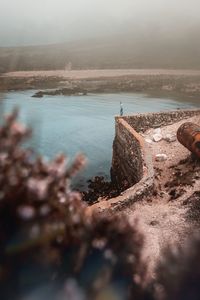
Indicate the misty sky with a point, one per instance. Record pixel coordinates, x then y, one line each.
24 22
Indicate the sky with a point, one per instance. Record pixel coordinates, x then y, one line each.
31 22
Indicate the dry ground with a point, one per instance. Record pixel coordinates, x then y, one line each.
83 74
164 218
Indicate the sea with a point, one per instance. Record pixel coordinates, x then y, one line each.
81 124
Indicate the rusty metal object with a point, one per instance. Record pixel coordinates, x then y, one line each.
188 135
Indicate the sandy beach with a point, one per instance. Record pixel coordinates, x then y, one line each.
84 74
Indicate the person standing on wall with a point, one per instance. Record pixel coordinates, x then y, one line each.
121 109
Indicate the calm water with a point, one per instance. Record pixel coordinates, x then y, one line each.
73 124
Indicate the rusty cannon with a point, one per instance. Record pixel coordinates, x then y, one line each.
188 135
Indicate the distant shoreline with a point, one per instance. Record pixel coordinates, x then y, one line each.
86 74
168 83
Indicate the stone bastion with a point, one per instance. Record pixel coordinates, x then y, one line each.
132 163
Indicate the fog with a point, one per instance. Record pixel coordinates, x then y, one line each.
31 22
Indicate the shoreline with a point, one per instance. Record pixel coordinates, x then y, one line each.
178 84
103 73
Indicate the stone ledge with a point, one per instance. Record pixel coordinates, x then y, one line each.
142 122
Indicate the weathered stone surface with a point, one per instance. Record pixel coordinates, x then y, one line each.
157 137
126 144
161 157
38 94
148 140
142 122
170 138
157 131
127 163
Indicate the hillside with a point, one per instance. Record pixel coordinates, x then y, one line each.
131 51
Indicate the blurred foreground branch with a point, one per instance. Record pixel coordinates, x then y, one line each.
47 237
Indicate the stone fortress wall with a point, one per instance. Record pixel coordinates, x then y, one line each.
132 164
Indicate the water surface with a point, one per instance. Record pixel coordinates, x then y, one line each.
73 124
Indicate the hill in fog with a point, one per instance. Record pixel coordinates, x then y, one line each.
109 34
120 51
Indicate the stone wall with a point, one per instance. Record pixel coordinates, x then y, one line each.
127 161
142 122
132 158
132 162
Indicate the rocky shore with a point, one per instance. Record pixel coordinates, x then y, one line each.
63 91
100 189
178 84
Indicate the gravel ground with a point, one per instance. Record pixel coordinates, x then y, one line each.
163 218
